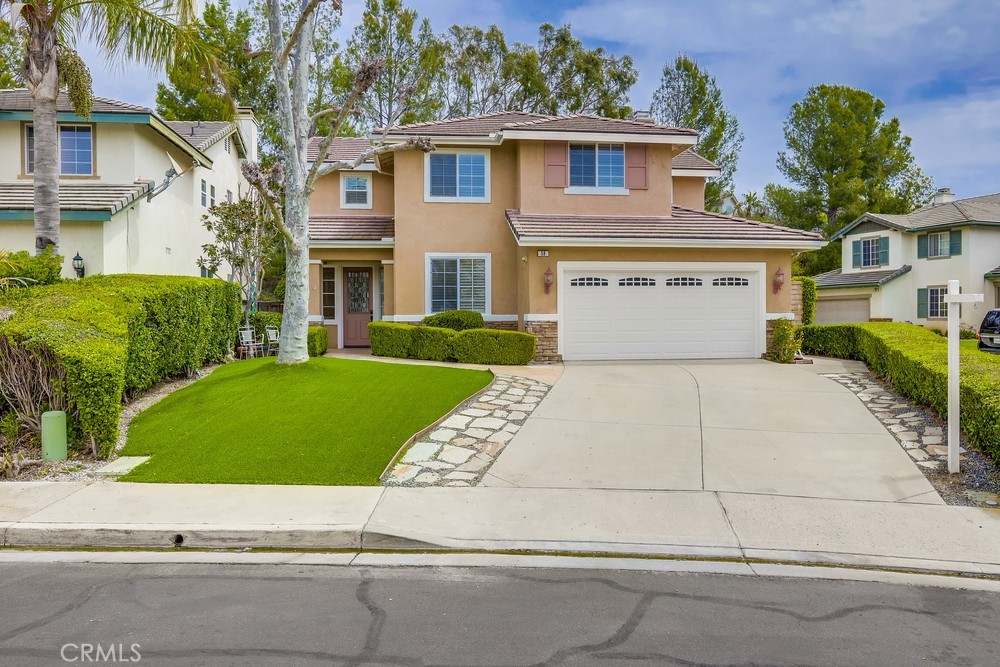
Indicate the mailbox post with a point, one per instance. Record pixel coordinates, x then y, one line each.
954 299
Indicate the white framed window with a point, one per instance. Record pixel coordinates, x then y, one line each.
458 282
939 244
76 150
457 175
211 198
329 293
870 252
204 192
355 190
596 169
937 307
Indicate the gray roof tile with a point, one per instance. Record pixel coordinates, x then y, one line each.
959 212
201 133
19 99
76 197
836 278
342 148
328 228
691 160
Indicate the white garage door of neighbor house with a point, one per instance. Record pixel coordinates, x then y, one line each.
839 311
636 314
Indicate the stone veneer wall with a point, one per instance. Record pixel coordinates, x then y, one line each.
506 326
547 345
796 309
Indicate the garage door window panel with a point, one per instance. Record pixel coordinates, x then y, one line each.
637 281
683 282
588 282
730 281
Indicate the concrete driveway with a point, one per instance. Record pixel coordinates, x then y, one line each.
739 426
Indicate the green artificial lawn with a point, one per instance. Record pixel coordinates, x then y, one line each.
328 421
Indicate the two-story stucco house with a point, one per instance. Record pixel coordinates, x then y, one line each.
897 267
122 212
589 232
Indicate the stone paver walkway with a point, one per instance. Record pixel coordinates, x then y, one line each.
922 434
465 445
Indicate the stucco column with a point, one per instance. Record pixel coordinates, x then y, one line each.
315 290
389 287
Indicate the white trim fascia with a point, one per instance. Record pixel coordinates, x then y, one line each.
588 190
384 243
665 243
388 261
419 318
500 318
487 199
344 175
315 261
760 268
779 316
605 137
541 317
315 318
702 173
428 256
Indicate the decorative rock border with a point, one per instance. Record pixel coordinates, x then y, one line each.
464 446
922 434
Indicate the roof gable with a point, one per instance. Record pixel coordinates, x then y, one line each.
983 210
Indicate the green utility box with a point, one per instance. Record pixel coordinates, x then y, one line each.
54 435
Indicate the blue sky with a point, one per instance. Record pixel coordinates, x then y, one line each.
936 64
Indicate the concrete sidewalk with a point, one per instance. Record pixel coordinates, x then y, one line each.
699 524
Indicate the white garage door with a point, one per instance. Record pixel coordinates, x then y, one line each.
839 311
657 314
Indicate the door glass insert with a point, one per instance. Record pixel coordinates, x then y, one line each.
358 297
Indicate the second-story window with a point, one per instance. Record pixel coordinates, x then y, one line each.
939 244
211 198
76 150
597 165
204 192
457 176
355 191
869 252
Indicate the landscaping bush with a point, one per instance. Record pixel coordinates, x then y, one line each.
432 343
83 345
786 339
458 320
259 320
389 339
494 346
317 340
33 269
915 361
808 299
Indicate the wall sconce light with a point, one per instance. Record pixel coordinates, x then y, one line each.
548 279
78 265
779 280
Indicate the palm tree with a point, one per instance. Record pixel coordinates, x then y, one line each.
151 32
750 206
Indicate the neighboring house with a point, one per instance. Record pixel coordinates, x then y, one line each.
897 267
117 212
586 231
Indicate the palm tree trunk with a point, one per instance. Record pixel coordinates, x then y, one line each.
46 176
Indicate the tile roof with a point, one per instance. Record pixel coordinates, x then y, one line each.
201 133
682 224
325 228
19 99
487 124
835 278
691 160
959 212
467 126
590 123
995 273
76 197
342 148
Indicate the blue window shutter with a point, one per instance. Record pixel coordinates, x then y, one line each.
922 301
956 242
883 251
856 253
922 246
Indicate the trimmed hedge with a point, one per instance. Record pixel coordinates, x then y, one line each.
36 270
915 361
458 320
259 320
786 339
83 345
471 346
317 340
494 346
808 299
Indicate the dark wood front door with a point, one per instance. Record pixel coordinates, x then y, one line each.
358 309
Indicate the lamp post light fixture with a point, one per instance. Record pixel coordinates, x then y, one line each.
78 265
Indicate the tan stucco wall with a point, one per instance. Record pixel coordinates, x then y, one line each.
437 227
389 304
689 192
539 302
534 197
325 199
87 238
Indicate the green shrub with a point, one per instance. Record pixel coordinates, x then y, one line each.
458 320
317 340
808 299
785 342
83 345
259 320
390 339
43 269
432 343
915 361
494 346
968 334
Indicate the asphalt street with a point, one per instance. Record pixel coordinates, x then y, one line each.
60 613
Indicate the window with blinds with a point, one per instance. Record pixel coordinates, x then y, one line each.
458 283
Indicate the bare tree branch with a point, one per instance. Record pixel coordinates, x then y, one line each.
261 182
413 143
322 114
293 37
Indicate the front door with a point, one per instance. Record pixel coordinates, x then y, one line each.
358 310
